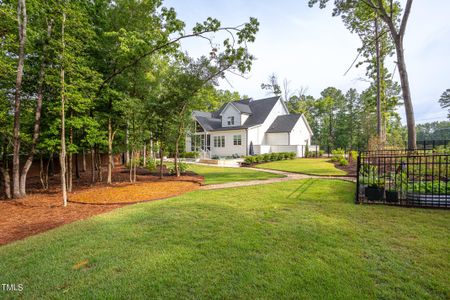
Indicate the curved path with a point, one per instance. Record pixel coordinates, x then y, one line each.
288 176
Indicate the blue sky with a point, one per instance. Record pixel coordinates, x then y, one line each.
313 50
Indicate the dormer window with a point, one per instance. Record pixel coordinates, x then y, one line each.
230 121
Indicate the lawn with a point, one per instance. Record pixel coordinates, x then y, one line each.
313 166
215 175
298 239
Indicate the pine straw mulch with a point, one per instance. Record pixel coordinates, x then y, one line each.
42 210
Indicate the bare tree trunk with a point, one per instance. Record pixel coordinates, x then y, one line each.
77 167
99 165
62 156
127 154
70 163
161 160
43 173
152 155
92 165
37 116
84 161
6 182
144 154
377 54
409 110
130 166
110 152
397 36
22 24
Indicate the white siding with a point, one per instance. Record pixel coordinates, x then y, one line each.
300 134
229 148
188 144
277 139
231 111
278 110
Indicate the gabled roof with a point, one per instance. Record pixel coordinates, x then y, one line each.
283 123
258 110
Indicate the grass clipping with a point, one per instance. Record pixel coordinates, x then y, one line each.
133 193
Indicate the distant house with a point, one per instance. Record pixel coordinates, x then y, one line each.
247 127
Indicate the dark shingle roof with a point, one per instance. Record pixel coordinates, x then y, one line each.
258 111
283 123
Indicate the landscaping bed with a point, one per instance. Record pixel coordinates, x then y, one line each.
43 210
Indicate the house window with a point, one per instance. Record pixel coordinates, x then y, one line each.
237 140
219 141
230 120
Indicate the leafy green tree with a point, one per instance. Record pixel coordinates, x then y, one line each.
445 101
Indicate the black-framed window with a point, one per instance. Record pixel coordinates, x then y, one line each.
219 141
230 120
237 140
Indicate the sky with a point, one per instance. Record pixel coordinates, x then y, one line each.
313 50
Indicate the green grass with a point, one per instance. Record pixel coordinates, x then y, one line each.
215 175
298 239
313 166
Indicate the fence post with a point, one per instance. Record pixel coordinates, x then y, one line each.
358 165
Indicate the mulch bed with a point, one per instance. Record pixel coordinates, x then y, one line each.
43 210
350 168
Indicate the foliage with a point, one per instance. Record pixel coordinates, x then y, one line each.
435 187
190 154
267 157
183 167
444 101
354 155
343 162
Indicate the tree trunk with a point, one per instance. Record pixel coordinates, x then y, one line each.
70 163
127 154
110 152
92 165
130 166
62 157
99 165
144 154
37 115
77 168
6 182
377 54
410 121
22 24
84 161
43 173
161 160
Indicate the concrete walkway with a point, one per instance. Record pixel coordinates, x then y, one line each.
287 177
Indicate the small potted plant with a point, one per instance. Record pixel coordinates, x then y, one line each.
400 186
375 189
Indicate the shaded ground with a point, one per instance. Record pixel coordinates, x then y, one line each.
43 210
302 239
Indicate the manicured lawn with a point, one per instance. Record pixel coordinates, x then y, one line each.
214 175
298 239
313 166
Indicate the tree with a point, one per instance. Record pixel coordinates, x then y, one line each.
272 86
397 28
445 101
22 23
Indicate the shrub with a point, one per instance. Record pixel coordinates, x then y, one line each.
274 156
291 155
151 164
190 154
354 155
343 161
266 157
321 153
181 165
250 160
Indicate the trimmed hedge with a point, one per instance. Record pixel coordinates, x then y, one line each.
190 155
256 159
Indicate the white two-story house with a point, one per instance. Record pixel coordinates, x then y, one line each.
248 127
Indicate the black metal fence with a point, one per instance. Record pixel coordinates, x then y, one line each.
401 177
